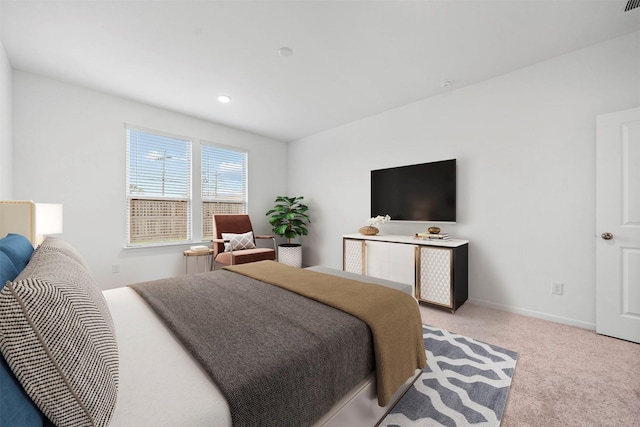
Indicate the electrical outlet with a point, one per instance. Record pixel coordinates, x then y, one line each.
115 268
557 288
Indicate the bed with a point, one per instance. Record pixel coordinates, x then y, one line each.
150 376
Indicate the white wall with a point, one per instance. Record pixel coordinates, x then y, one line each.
70 148
525 146
6 157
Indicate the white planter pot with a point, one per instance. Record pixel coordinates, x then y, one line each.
290 254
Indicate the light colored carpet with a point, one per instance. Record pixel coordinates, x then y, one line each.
566 376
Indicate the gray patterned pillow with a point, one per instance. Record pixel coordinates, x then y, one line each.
56 334
238 242
57 244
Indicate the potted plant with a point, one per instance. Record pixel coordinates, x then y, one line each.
289 219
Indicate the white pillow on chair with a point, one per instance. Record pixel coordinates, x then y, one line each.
238 241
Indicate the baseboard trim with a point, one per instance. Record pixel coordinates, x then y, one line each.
533 313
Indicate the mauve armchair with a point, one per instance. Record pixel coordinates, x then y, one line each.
232 231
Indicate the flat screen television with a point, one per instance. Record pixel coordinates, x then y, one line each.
422 192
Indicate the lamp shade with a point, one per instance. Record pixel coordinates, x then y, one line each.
48 218
32 220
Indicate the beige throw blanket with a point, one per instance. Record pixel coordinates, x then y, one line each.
392 316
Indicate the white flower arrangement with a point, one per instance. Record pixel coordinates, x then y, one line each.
379 220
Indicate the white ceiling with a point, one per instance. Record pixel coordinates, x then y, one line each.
352 59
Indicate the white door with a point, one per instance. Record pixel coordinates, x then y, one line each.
618 225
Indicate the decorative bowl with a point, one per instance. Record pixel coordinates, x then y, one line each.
368 230
433 230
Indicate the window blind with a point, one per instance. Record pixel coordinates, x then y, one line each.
158 187
224 183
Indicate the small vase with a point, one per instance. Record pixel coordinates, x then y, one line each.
368 230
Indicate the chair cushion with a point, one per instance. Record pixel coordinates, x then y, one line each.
67 362
248 255
238 242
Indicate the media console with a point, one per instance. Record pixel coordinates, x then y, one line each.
438 270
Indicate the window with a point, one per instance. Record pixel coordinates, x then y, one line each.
224 184
158 188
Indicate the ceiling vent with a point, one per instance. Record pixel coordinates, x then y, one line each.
632 4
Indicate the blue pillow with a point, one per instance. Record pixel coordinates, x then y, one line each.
16 408
8 270
18 249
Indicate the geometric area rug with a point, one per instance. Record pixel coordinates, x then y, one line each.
466 383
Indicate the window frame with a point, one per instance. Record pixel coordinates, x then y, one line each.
205 200
188 198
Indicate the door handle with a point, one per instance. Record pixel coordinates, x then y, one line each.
607 236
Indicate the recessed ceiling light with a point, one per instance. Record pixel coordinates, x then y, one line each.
225 99
285 51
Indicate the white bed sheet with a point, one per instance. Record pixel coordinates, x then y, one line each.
161 385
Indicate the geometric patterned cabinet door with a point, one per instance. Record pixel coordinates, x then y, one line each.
434 278
353 256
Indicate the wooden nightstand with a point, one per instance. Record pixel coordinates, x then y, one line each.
190 253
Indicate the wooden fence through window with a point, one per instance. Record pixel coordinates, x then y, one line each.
155 221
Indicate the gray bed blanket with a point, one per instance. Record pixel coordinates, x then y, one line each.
279 359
